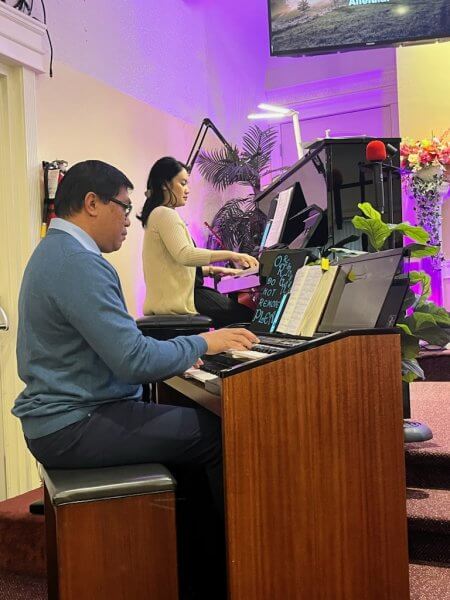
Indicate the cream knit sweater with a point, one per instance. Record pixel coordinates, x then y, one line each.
169 258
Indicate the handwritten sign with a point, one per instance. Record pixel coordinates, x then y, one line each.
278 285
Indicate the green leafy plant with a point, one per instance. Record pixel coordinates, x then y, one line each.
422 320
239 222
226 166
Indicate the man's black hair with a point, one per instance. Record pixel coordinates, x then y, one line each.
88 176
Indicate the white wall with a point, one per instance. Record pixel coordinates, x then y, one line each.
352 93
237 43
190 58
98 121
152 50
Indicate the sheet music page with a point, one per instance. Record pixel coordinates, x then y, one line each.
279 218
313 313
300 299
293 298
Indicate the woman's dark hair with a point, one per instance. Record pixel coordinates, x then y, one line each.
162 172
88 176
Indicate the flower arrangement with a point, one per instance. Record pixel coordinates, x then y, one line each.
419 154
425 164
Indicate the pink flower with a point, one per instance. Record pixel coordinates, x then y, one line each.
444 157
425 158
416 154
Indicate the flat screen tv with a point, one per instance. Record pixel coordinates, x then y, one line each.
321 26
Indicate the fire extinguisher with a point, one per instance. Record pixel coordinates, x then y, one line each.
53 173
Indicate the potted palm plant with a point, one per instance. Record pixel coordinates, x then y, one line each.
239 223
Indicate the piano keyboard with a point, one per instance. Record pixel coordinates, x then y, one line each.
243 281
209 372
199 375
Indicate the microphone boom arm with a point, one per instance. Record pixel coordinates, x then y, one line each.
198 143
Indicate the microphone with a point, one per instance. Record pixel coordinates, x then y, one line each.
376 154
391 150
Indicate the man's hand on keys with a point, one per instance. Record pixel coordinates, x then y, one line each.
231 338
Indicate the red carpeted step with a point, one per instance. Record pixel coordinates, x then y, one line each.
428 463
436 365
428 510
429 525
22 536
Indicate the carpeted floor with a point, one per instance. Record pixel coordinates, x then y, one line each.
428 512
430 402
429 583
22 587
22 547
427 463
428 479
426 583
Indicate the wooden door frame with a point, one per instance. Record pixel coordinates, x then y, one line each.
20 216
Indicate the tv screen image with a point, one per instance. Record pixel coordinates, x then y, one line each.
320 26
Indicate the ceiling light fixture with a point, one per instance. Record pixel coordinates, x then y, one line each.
278 112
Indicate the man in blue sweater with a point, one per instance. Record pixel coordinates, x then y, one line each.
82 357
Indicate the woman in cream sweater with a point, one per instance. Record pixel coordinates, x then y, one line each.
173 266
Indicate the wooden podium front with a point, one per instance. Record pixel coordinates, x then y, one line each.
314 472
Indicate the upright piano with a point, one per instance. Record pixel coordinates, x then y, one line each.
335 176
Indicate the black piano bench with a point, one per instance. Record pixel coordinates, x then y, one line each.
166 327
110 533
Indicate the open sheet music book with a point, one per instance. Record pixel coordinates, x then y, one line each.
308 298
283 203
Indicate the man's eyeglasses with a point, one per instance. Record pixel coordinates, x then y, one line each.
126 207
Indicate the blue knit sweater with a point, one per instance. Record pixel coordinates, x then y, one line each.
77 345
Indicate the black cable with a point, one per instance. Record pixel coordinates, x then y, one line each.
44 12
26 6
50 68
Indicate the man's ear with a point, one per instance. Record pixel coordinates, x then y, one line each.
91 201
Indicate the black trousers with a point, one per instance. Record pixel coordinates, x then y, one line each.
188 442
222 309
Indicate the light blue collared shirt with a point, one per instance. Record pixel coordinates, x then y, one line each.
79 234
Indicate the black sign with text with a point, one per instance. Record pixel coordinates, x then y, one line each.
278 285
